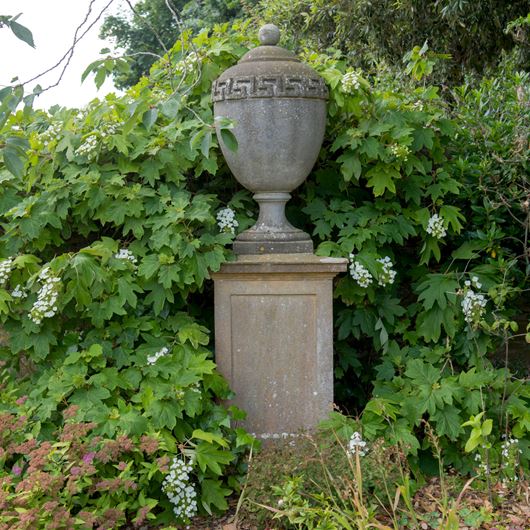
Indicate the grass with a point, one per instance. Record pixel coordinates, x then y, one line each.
311 482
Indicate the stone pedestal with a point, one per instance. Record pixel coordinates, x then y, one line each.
274 338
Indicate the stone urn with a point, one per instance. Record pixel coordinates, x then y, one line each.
278 107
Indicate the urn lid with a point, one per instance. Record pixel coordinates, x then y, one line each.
269 71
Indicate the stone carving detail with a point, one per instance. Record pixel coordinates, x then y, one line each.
265 86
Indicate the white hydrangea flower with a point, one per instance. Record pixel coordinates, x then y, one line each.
5 269
46 304
89 147
357 445
360 273
53 132
473 306
226 220
19 292
126 255
351 82
151 359
476 282
187 64
437 227
510 447
389 274
179 490
400 151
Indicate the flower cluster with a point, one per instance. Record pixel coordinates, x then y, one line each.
483 467
179 491
436 226
89 147
351 81
473 305
46 303
109 128
360 273
186 65
474 281
400 151
5 269
53 132
151 359
356 445
127 255
226 220
19 292
510 448
388 275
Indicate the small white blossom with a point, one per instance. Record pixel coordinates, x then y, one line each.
389 274
357 445
400 151
52 133
151 359
510 448
126 255
5 269
89 147
436 227
179 491
476 282
226 220
360 273
473 306
46 304
351 82
187 64
19 292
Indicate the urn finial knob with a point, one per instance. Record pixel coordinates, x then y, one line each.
269 35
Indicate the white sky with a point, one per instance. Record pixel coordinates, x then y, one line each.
53 23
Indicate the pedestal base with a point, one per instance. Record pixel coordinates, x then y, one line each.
274 339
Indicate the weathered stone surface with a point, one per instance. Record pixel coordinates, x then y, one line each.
274 338
278 108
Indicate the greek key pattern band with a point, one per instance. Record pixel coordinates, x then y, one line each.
262 86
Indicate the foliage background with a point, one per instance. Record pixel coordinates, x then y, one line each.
143 172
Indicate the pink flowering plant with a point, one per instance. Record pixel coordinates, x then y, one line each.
83 480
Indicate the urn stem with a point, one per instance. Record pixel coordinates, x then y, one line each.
272 212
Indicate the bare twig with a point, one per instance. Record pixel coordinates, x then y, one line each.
70 52
193 47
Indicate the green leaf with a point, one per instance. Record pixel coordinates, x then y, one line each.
14 160
468 250
448 422
209 437
437 289
210 457
23 33
229 139
149 118
171 107
381 178
163 414
213 494
206 143
351 166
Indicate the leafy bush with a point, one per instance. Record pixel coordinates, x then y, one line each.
429 285
108 235
109 232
